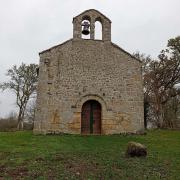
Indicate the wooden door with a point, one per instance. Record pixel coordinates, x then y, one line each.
85 118
96 118
91 118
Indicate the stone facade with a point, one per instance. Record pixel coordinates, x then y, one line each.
87 69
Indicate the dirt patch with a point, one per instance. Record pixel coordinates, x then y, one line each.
15 173
79 167
18 172
2 170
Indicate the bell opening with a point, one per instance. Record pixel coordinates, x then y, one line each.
85 29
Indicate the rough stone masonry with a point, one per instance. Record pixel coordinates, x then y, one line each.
89 86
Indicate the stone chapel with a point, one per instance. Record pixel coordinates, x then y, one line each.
89 86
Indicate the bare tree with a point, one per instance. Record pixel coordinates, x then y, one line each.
171 112
30 110
160 77
23 82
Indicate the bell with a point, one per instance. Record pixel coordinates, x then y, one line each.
86 26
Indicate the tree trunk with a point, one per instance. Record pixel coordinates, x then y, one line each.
20 124
160 116
146 108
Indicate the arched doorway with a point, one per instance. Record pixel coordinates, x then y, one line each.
91 117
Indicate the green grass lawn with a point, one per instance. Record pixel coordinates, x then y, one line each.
26 156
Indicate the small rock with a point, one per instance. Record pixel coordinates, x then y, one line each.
135 149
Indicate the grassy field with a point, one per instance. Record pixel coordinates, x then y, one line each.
26 156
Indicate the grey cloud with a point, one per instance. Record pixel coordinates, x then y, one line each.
28 27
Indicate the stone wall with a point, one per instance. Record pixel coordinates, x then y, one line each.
81 70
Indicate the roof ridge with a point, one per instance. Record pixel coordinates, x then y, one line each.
115 45
56 46
93 10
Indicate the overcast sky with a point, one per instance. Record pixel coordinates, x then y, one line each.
30 26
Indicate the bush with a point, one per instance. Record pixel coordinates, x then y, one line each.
8 124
